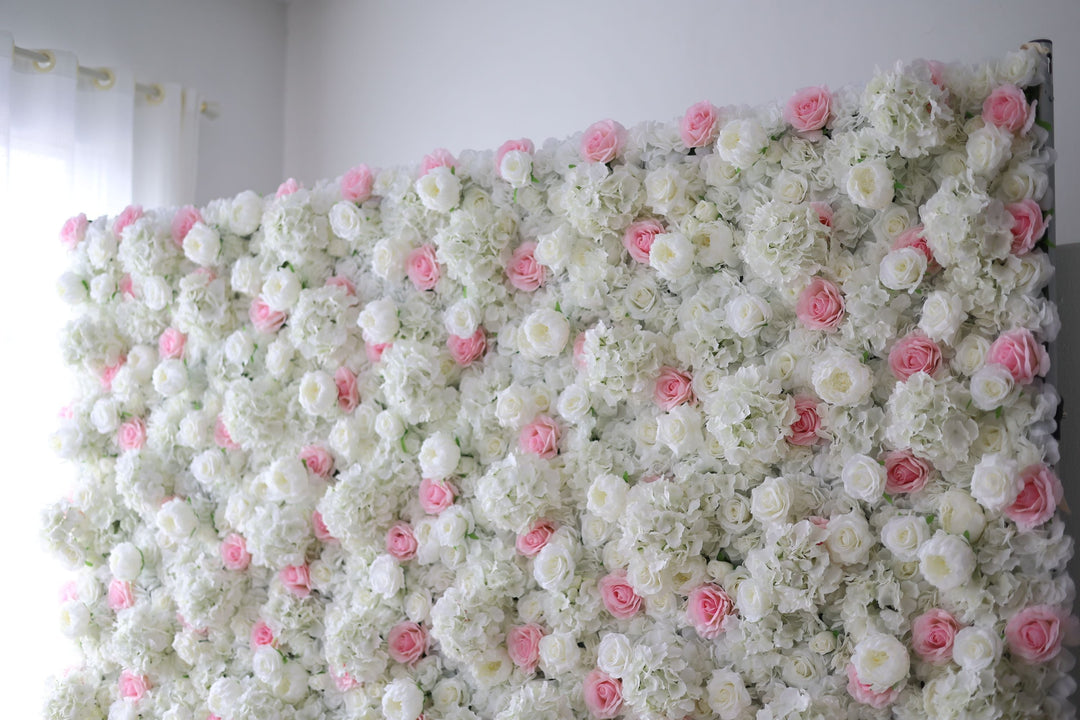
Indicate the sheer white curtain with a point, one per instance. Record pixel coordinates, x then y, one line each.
68 145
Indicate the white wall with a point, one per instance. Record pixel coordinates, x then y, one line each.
232 51
384 83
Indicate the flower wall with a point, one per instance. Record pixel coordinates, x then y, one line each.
739 415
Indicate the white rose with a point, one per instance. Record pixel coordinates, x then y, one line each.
614 654
74 618
105 415
992 386
388 425
971 354
574 403
177 519
379 321
141 361
516 168
554 566
72 289
771 501
102 288
239 347
672 255
823 643
345 220
246 278
208 466
727 694
224 696
286 479
839 378
513 407
279 355
318 393
439 189
417 606
746 314
156 293
680 430
995 482
245 213
448 694
451 526
881 661
559 653
386 576
988 148
741 141
849 540
170 377
439 456
403 700
903 535
960 514
388 259
544 333
942 315
607 497
753 600
292 686
946 561
267 664
462 318
281 289
789 187
902 269
864 478
126 562
202 244
976 648
870 185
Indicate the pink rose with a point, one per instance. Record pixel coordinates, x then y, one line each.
708 607
523 145
318 526
914 237
287 188
808 109
407 642
638 238
261 635
423 269
436 495
672 388
541 437
523 645
110 371
1007 108
263 318
932 635
171 344
1021 355
132 434
603 141
296 579
222 438
524 272
806 430
356 184
121 594
865 694
937 72
824 212
234 552
130 214
905 473
374 351
342 282
184 219
820 305
317 460
344 682
348 395
1034 634
438 158
533 541
127 287
133 687
618 596
579 351
401 541
603 694
467 350
1027 225
73 231
1039 497
698 126
914 354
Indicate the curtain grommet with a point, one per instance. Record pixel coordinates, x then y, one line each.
48 63
107 82
156 95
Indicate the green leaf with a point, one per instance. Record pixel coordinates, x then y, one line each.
888 498
897 185
403 449
836 633
930 519
573 166
457 441
997 413
515 195
865 355
465 292
967 535
558 308
472 536
453 170
1044 125
532 177
626 476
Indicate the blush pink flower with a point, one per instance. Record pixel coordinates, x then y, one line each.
318 526
523 645
73 231
863 693
618 595
222 438
343 681
356 184
401 541
523 145
1007 108
171 344
912 354
824 212
708 608
1040 495
806 430
1019 352
1035 633
109 373
579 351
286 188
182 222
932 636
1028 225
264 318
808 109
317 460
603 694
234 552
698 126
342 282
121 594
69 591
407 642
673 388
937 72
296 579
262 635
374 351
131 435
531 542
638 238
127 287
905 473
440 157
423 268
436 495
133 687
129 215
603 141
914 237
541 437
348 393
523 271
820 305
467 350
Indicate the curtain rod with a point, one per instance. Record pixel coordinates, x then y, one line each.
104 78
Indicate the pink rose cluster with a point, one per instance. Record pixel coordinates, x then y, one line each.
603 141
356 184
1022 355
708 608
915 237
73 231
265 319
348 392
673 388
808 111
531 542
467 350
523 645
423 268
638 238
905 472
296 579
1040 494
1027 227
407 641
806 430
436 495
699 125
618 595
523 271
913 354
932 636
234 553
541 437
182 222
864 692
603 694
401 541
1007 108
1035 634
820 305
440 157
317 460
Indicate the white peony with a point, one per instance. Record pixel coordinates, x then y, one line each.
379 321
202 244
245 213
281 289
177 520
849 540
462 318
544 333
903 535
946 561
607 497
516 168
942 315
839 378
559 653
741 142
170 377
870 185
439 190
126 562
746 314
402 700
881 661
672 255
771 501
386 576
318 393
960 514
976 648
995 481
992 386
439 456
554 566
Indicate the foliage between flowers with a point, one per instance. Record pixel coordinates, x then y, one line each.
739 415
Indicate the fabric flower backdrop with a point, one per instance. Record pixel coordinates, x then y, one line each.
739 415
